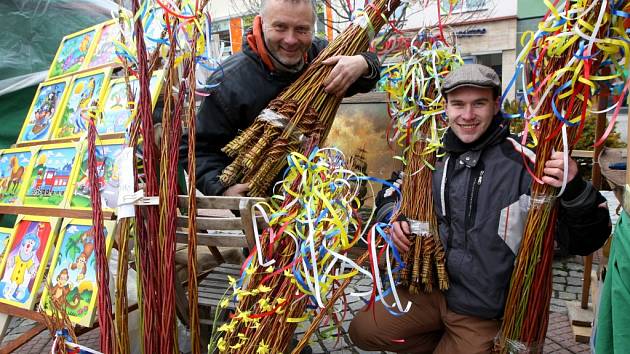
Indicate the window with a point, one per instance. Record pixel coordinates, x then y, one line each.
463 6
493 60
221 29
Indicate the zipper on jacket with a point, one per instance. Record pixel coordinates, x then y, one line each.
471 207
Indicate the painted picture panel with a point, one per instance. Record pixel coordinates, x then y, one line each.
154 25
360 131
86 93
44 111
105 51
73 52
72 275
5 235
28 251
47 184
107 154
116 116
15 167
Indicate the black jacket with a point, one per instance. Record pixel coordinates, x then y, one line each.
245 87
482 197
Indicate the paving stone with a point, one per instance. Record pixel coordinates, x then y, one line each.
559 280
574 266
318 348
334 344
345 325
559 287
551 348
574 289
558 302
560 273
356 305
360 351
559 309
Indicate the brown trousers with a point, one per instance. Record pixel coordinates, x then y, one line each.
428 327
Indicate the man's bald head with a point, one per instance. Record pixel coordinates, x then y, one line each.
263 6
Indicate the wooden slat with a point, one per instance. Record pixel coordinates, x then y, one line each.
227 268
215 202
18 312
68 140
245 209
56 212
209 223
212 292
212 239
214 287
218 277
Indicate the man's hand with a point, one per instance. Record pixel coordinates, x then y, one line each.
399 232
554 170
237 190
346 71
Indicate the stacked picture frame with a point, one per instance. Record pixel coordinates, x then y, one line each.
43 178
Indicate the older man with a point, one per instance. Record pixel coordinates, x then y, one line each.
277 49
481 192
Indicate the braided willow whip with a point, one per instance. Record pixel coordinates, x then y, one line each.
416 107
105 318
304 109
573 49
296 262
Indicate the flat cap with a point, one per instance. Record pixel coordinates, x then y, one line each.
475 75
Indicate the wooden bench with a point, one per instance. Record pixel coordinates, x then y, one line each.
215 229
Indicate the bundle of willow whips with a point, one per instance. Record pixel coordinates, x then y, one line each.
296 263
303 109
578 45
156 225
416 108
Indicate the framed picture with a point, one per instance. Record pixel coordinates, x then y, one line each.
107 153
15 166
360 131
105 51
28 251
44 111
74 51
116 116
153 25
53 167
87 91
5 235
72 275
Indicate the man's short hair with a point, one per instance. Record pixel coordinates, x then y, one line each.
472 75
263 3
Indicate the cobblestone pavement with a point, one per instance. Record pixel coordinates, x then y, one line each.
567 285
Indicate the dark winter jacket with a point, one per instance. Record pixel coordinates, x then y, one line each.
245 88
482 203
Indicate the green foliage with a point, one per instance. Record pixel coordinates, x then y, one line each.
72 246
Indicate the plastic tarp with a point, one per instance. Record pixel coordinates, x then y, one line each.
30 33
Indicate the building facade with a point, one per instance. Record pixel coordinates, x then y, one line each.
484 31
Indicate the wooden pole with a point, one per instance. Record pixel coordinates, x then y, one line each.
597 183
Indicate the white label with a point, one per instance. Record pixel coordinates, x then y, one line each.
126 193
